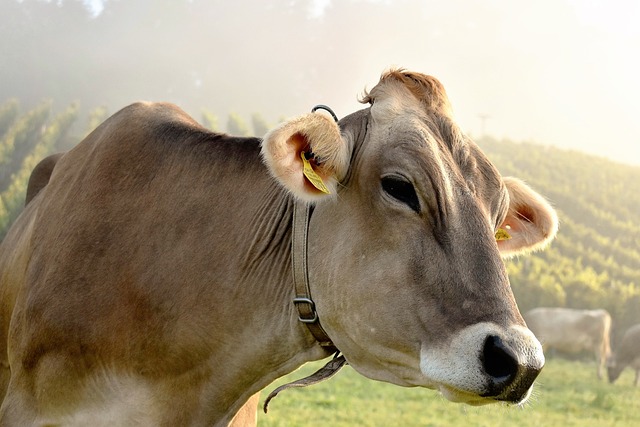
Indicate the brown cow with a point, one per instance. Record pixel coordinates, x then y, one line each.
572 331
247 415
627 354
40 176
152 280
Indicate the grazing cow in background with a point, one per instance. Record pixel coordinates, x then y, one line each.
573 331
627 354
160 272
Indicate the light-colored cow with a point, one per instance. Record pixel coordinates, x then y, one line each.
626 354
151 279
572 331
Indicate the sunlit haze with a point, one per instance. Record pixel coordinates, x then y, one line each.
553 72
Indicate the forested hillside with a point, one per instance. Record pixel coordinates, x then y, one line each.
594 262
25 139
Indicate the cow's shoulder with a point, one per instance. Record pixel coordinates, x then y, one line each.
141 120
154 112
167 130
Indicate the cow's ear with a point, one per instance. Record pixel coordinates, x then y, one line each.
307 155
531 222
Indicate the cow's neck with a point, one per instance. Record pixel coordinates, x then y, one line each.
272 342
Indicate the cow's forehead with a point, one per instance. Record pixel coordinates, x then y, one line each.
417 111
412 125
419 91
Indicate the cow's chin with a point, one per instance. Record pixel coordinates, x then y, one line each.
459 396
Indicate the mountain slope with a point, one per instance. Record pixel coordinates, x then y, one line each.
595 260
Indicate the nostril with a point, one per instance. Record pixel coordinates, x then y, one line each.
498 361
509 377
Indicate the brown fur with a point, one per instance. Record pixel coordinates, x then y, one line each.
40 176
149 281
426 89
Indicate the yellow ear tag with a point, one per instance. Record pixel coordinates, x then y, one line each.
502 234
312 176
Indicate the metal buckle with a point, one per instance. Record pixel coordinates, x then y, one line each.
305 300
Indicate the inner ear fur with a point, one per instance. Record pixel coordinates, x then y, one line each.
531 220
311 133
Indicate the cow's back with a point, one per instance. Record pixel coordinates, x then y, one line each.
570 330
41 175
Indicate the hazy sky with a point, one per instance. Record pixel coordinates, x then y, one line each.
555 72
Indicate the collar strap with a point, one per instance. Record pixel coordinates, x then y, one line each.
304 303
327 371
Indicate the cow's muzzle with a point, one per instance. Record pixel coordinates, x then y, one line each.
484 363
510 380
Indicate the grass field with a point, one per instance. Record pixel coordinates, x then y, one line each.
567 393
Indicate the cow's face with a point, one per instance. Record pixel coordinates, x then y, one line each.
404 263
614 369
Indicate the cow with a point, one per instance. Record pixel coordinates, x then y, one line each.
164 274
626 354
573 331
40 176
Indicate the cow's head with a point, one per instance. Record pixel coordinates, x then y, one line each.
614 369
404 264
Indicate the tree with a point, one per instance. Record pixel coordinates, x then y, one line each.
13 193
210 120
237 126
8 114
96 117
260 125
20 139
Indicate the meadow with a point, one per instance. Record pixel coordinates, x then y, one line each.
593 263
567 393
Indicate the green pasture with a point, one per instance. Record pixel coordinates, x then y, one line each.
567 393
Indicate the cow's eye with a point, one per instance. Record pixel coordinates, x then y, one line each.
402 190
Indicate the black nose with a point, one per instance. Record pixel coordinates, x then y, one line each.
500 364
509 381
